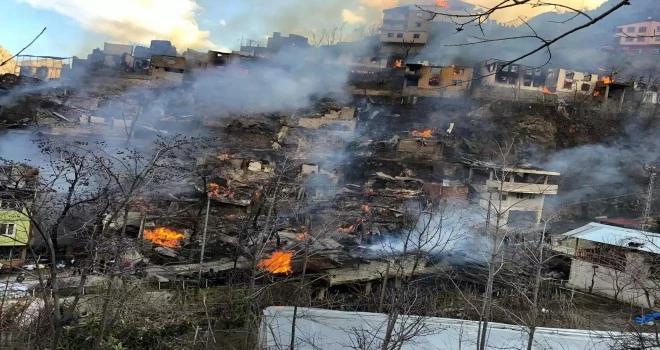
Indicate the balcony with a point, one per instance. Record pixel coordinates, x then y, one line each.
521 187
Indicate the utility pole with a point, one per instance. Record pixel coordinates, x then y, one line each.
653 171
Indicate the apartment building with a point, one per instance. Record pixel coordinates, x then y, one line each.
515 196
639 38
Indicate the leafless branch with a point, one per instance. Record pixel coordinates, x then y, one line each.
23 49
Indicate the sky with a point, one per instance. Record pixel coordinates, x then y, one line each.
75 27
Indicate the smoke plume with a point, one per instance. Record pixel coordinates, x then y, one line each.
135 20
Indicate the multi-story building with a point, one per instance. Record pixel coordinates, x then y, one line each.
406 29
513 196
510 80
640 37
561 80
16 193
438 81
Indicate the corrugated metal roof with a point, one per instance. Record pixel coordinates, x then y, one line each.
338 330
618 236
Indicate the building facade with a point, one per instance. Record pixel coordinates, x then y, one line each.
569 81
438 81
620 263
513 196
511 81
16 194
639 38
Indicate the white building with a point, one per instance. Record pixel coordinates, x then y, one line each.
517 195
620 263
569 81
338 330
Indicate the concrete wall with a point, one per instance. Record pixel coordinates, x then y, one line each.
607 280
582 82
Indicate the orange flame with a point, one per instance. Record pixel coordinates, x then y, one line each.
217 190
423 133
547 91
348 229
257 194
279 262
607 80
225 156
365 208
596 93
442 3
398 63
302 236
164 236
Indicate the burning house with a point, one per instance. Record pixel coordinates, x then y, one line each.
437 81
510 81
568 81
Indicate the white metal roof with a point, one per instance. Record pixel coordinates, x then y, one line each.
618 236
335 330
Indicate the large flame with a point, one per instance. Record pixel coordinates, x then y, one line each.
279 262
607 80
164 236
547 91
423 133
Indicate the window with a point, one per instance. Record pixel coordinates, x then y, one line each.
434 81
436 70
529 71
641 30
628 40
418 24
630 30
657 38
7 230
7 204
503 197
390 35
11 253
457 82
399 35
514 69
640 39
415 36
585 87
587 77
568 85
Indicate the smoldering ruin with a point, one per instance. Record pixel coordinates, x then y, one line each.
379 175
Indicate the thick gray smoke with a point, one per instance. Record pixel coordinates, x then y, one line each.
615 168
284 82
451 234
580 50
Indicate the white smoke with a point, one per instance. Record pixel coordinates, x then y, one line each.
452 232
